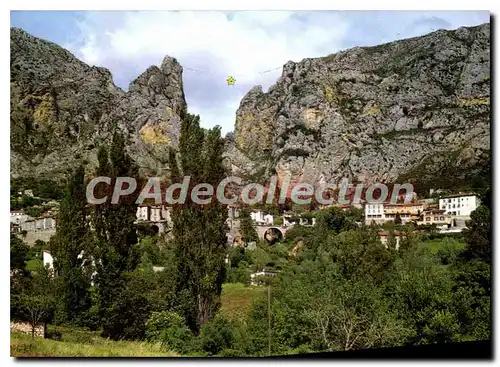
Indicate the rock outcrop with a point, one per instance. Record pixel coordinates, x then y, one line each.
415 109
403 110
62 110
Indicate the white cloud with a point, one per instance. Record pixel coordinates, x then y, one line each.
242 44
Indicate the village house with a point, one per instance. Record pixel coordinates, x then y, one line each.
153 213
346 207
15 228
374 212
384 236
233 212
436 216
256 278
18 217
262 219
307 222
232 216
159 215
290 220
385 212
407 212
48 260
461 205
142 213
43 223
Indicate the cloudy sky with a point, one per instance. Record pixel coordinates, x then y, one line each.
219 44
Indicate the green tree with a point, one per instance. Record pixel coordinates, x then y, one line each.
421 291
199 229
473 276
217 335
336 220
36 303
397 219
114 233
392 243
18 253
70 250
19 275
248 232
478 235
472 299
353 315
170 329
149 246
408 239
278 220
260 258
360 254
35 251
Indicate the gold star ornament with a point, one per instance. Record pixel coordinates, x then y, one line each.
230 80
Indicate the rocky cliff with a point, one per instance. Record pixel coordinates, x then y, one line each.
415 109
62 110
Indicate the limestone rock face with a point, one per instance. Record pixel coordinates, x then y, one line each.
415 109
62 110
401 110
151 111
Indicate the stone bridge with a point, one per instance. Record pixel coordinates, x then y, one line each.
261 230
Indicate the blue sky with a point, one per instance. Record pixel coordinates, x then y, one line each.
219 44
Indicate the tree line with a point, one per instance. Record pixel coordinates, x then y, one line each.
338 287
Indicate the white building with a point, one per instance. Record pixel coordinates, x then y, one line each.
459 205
407 212
255 278
261 218
385 212
153 213
39 224
18 217
384 238
156 214
232 212
142 213
374 212
48 259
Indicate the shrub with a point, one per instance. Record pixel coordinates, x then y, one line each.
217 335
169 328
53 334
450 251
126 317
278 221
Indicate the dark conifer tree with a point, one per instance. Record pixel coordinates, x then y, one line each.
478 235
114 233
199 230
248 232
70 250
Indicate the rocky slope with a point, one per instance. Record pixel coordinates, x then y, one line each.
63 109
412 109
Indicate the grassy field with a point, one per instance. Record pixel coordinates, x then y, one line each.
76 342
438 243
237 299
81 343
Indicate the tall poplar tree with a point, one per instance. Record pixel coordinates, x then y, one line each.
199 230
248 232
69 248
114 232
